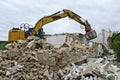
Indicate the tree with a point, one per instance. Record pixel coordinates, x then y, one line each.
115 45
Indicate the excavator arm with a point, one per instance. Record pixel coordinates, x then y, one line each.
65 13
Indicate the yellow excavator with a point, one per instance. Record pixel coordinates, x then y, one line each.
19 34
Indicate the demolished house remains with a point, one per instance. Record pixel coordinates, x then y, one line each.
73 58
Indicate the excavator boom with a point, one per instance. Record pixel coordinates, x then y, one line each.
65 13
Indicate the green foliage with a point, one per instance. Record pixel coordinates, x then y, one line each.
116 46
2 45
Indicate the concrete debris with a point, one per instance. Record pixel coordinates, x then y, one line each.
73 59
13 69
30 44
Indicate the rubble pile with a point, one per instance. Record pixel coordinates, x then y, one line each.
34 59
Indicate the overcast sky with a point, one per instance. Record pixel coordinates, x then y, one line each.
101 14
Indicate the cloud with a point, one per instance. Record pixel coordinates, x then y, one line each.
100 14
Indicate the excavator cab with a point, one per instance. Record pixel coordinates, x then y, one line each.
23 32
28 29
39 34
